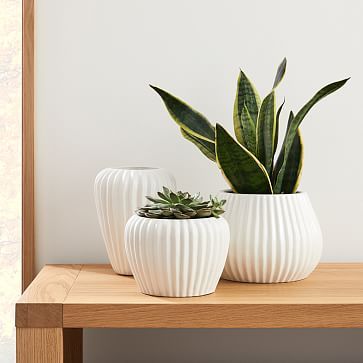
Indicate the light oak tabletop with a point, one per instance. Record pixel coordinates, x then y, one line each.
84 296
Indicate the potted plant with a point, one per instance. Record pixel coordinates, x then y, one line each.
177 245
275 235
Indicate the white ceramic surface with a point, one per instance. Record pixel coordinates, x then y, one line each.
118 193
274 238
177 258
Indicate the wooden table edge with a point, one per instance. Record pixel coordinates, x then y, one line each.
213 316
37 311
231 315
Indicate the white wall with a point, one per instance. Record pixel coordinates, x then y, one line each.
94 109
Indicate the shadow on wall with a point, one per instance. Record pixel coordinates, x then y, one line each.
239 345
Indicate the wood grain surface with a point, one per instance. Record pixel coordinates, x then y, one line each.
28 252
41 304
49 345
39 345
332 297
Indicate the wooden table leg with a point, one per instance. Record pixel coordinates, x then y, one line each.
48 345
73 345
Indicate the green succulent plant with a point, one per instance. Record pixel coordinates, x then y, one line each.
181 205
249 163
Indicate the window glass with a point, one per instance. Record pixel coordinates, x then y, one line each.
10 172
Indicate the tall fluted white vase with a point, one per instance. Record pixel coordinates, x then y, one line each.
274 238
118 193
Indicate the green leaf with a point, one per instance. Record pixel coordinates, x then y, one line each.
174 198
243 172
291 179
292 130
206 147
237 124
278 125
163 197
186 117
280 73
281 156
266 132
167 192
246 94
155 200
249 130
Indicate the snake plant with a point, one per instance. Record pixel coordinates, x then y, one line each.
181 205
249 162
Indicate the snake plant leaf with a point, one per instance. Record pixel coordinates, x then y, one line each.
278 125
292 130
186 117
206 147
242 170
249 130
266 131
281 156
246 94
291 179
280 73
237 124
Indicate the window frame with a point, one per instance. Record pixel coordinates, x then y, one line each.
28 227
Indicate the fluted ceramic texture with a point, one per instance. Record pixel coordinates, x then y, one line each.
177 258
118 193
274 238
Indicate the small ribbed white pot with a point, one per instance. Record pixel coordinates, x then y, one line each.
177 258
118 193
274 238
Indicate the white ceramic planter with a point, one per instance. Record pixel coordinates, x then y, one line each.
118 193
274 238
177 258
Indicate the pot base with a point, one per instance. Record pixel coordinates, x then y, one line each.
267 282
179 296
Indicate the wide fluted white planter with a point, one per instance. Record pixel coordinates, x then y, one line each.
177 258
274 238
118 193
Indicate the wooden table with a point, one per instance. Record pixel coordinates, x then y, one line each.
64 299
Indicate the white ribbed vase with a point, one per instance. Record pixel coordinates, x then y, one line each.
175 257
118 193
274 238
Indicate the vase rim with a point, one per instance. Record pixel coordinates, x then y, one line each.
137 168
229 191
